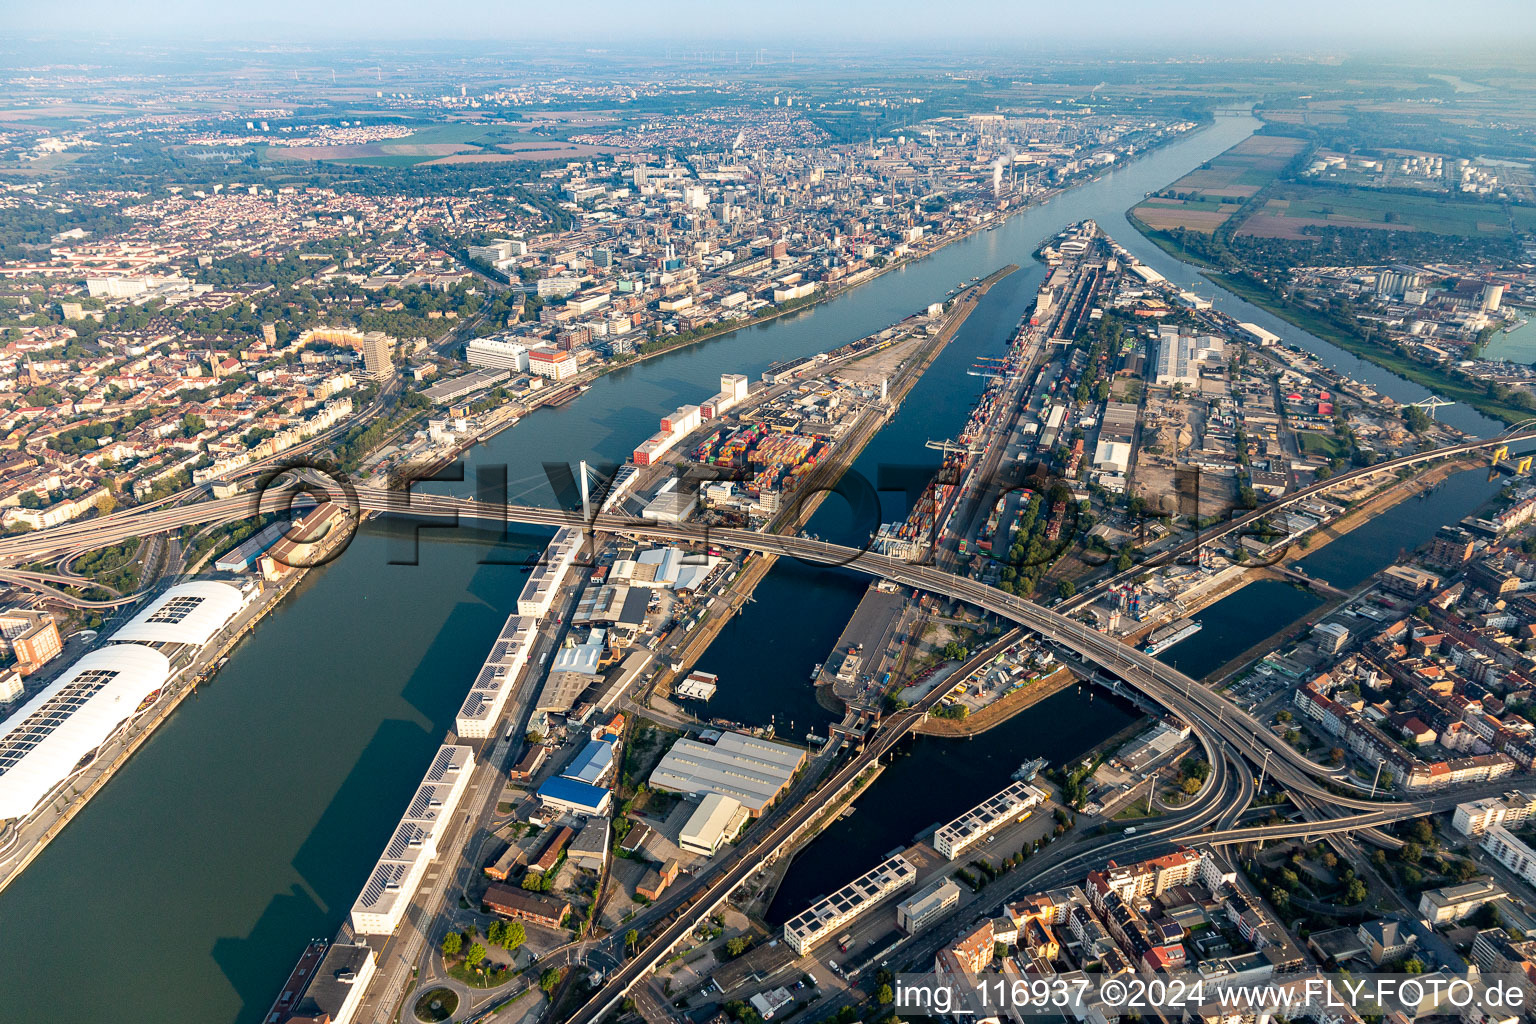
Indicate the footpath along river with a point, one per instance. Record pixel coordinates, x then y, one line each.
183 893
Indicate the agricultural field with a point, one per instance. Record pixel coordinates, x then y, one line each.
1292 208
1206 197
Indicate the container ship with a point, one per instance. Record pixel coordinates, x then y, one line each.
1164 637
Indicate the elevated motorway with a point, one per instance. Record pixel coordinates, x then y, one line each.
1514 435
1201 708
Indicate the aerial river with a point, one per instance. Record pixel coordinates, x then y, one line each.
184 892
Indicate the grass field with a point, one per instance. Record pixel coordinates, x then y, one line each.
1206 197
1294 207
457 142
1313 443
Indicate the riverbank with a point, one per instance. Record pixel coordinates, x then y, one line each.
1320 326
999 711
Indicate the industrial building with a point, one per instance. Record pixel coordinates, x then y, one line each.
594 764
675 426
1180 355
927 905
571 672
750 770
245 555
733 389
713 822
497 678
589 850
822 919
562 795
552 363
455 388
393 881
697 686
1013 804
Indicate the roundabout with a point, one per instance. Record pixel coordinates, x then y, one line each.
436 1005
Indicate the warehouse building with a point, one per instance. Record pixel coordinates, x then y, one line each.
715 821
497 678
545 579
818 922
413 844
336 990
752 771
188 614
1013 804
248 552
571 672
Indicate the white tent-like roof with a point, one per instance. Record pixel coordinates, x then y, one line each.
188 613
41 743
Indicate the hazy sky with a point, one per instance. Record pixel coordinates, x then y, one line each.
1275 26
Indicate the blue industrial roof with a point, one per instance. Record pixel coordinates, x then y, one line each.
572 792
592 764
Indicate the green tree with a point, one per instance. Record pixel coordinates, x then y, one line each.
475 955
550 978
1066 588
513 935
452 943
1354 893
631 939
737 946
884 996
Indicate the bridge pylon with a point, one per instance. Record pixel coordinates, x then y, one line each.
1500 454
1523 464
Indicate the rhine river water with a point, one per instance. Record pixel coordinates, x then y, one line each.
183 893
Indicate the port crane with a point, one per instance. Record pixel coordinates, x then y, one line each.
1431 403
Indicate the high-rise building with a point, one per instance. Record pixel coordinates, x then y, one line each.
376 354
269 333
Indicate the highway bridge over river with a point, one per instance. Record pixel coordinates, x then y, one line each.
1228 734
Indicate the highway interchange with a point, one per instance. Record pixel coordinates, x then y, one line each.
1231 739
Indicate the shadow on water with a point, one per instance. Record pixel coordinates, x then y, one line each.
359 819
248 963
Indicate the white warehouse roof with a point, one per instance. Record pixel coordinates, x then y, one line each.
41 744
188 613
